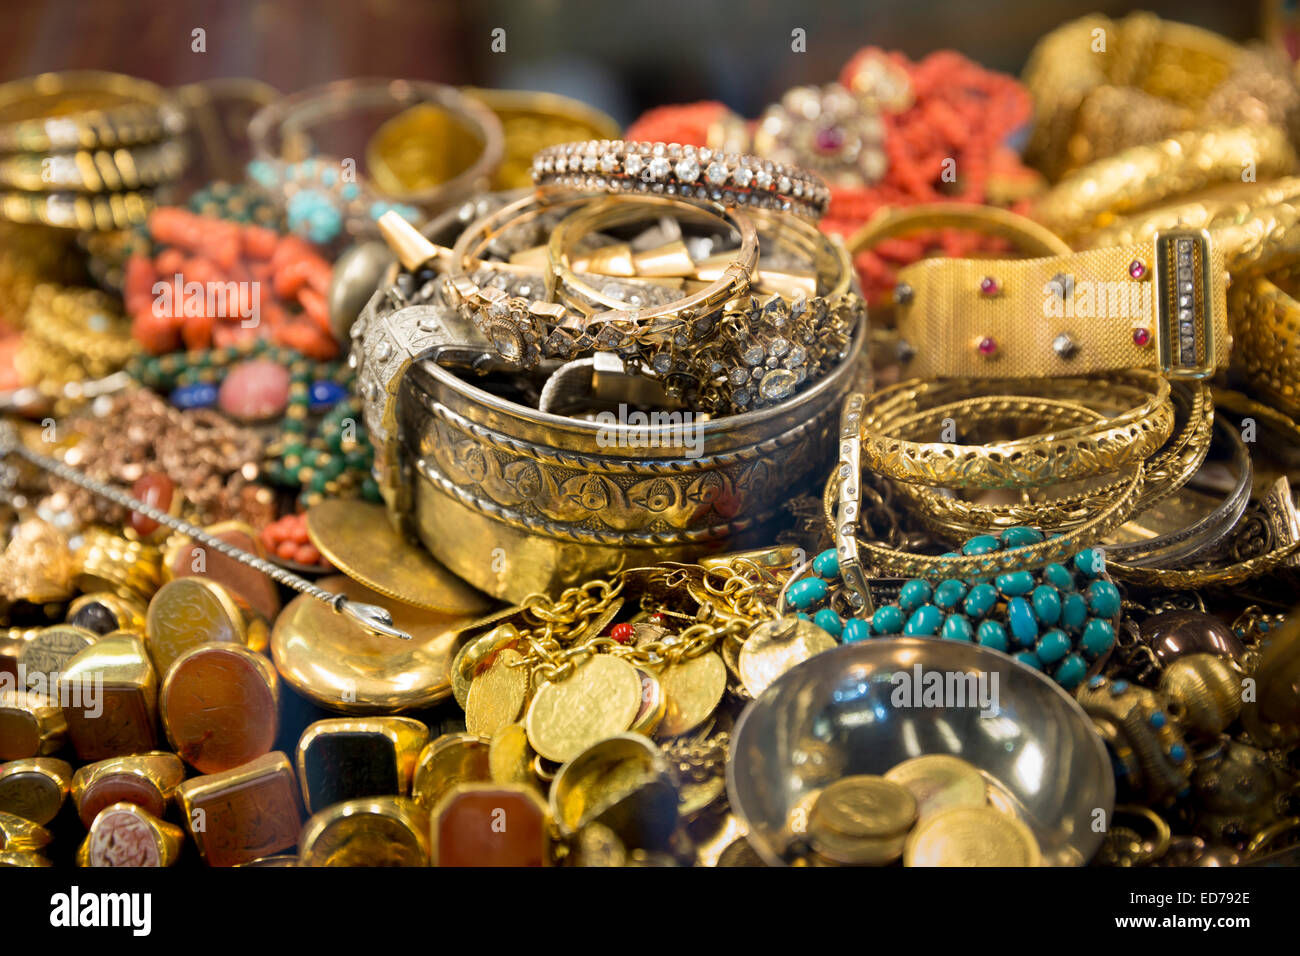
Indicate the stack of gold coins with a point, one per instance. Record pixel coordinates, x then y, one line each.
861 821
87 150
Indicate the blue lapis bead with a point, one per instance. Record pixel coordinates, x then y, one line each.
992 634
980 544
948 593
1015 583
855 629
1158 719
1091 562
924 622
1098 637
324 395
827 564
1119 687
1021 536
201 395
1053 646
1103 599
1024 626
1047 604
1059 577
1074 611
887 620
1096 681
1070 672
957 627
829 621
1030 659
913 594
980 600
1178 753
806 592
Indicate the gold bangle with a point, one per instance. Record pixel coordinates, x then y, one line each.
1156 305
95 171
1167 472
1027 235
532 121
1079 452
1266 334
1142 176
84 109
97 212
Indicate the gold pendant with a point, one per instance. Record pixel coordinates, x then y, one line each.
475 652
693 688
497 695
774 647
600 699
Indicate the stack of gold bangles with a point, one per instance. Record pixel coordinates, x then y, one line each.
700 271
1067 392
87 150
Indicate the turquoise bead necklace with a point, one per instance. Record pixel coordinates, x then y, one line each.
1060 619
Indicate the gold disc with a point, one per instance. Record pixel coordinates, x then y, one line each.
338 664
471 653
939 782
600 699
855 850
497 695
971 836
864 806
774 647
510 756
693 688
358 540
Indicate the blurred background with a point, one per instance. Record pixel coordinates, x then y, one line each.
623 57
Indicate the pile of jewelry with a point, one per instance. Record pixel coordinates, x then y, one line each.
525 495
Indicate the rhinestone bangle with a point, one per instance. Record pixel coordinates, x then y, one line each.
669 169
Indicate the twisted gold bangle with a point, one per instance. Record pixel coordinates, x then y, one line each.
1080 452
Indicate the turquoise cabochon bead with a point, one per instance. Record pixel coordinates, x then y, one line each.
1059 576
1074 611
913 594
1070 672
829 621
827 564
1047 604
1098 637
924 622
887 620
980 544
957 627
980 600
1053 646
1015 583
993 634
1103 599
1024 625
948 593
806 592
855 629
1021 536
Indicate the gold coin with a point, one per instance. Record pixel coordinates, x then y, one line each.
600 699
358 540
774 647
693 688
497 695
971 836
864 806
850 850
510 756
938 782
474 651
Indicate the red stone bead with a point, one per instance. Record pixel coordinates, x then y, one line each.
1141 337
255 391
154 489
1137 269
986 346
829 139
657 619
989 286
623 633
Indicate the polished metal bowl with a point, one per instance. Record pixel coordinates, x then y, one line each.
845 711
